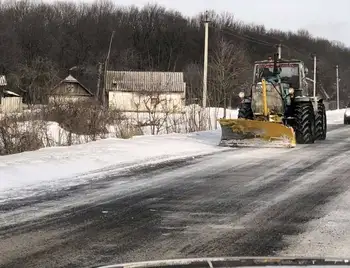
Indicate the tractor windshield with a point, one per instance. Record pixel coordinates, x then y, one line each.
288 72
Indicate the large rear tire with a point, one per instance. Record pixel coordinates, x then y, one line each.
321 123
245 111
304 123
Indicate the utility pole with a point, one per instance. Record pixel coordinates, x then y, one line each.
315 59
105 71
205 70
99 80
337 77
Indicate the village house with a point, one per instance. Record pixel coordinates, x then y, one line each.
132 91
70 89
10 102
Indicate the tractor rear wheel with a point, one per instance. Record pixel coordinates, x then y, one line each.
304 123
245 111
321 123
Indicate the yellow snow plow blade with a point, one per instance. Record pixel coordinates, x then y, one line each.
243 132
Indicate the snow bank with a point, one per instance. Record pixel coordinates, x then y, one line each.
55 167
193 118
335 116
57 136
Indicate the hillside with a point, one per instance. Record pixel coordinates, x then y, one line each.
40 42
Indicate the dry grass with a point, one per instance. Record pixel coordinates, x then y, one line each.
29 131
86 121
16 137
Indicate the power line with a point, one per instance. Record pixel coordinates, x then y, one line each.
243 37
265 43
257 41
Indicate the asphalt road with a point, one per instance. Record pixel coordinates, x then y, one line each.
242 202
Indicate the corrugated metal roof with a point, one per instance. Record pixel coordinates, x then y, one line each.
145 81
148 77
3 81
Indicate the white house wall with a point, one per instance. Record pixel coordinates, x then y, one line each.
135 102
11 104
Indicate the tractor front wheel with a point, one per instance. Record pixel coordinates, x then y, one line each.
304 123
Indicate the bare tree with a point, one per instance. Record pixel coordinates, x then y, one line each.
155 106
194 81
150 38
35 79
228 68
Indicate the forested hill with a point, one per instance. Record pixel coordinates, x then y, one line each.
40 42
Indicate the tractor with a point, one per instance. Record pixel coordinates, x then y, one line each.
279 108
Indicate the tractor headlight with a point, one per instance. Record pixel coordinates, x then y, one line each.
241 95
291 90
347 112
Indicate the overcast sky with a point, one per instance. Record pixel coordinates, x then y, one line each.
325 18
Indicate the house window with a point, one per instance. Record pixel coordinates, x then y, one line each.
70 88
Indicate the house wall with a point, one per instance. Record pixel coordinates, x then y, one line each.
136 102
57 99
70 89
11 104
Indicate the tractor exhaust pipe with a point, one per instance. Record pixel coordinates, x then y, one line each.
315 68
279 51
314 84
275 58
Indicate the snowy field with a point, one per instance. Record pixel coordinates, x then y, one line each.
58 167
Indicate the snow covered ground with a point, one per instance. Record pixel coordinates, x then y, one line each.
58 167
336 116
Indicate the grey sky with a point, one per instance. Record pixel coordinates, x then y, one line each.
325 18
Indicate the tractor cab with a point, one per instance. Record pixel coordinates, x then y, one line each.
281 80
289 72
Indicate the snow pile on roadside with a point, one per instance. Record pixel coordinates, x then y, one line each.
335 116
193 118
57 136
55 167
